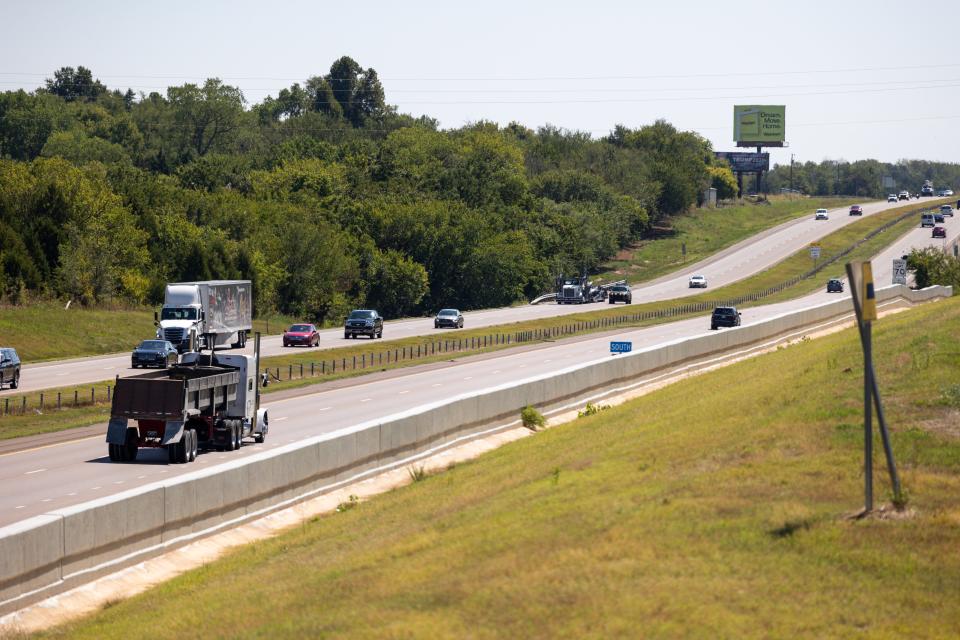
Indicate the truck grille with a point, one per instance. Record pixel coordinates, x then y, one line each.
174 335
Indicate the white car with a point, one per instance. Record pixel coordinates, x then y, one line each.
698 282
821 214
892 197
948 192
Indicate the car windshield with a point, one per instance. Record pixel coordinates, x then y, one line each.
723 311
175 313
448 312
696 278
360 315
152 345
299 328
621 287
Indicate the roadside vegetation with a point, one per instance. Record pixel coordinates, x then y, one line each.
304 368
705 233
703 508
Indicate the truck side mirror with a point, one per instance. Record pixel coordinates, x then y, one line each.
203 314
264 379
156 319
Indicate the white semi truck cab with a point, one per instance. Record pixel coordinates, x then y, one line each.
206 315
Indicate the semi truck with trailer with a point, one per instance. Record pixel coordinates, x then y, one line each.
206 315
208 400
580 290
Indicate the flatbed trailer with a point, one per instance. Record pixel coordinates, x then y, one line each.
208 402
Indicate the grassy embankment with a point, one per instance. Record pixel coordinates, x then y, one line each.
706 232
705 509
48 331
32 422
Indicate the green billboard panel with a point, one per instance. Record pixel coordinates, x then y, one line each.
759 123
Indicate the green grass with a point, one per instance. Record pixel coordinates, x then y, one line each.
47 331
705 509
34 422
707 231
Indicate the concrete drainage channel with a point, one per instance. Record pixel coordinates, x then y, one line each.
54 552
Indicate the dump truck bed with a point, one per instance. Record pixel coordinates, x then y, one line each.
166 395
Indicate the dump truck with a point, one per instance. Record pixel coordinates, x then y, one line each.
206 315
208 400
580 290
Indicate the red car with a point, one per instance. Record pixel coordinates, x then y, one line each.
939 232
856 210
305 334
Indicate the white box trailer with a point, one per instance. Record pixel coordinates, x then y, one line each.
206 315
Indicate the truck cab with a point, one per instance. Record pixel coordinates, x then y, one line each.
181 318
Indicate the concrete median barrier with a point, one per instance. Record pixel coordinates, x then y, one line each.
47 554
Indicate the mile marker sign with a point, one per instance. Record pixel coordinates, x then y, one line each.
815 251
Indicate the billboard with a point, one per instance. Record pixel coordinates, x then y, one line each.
744 161
761 124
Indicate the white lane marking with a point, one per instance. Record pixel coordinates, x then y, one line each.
46 500
400 393
437 384
109 368
521 366
281 419
34 471
95 488
72 494
496 372
366 399
469 378
21 506
141 477
324 408
119 482
62 374
547 360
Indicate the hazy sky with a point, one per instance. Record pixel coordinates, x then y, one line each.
877 79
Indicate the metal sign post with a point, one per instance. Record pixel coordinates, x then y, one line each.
865 307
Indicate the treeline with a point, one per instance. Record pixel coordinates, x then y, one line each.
861 178
325 196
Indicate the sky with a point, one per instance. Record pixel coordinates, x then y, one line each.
877 79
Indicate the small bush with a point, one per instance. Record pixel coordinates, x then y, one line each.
417 473
592 409
951 395
349 504
900 502
532 419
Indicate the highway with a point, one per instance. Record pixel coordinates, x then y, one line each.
739 261
70 473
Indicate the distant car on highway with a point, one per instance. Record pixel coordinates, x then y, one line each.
9 368
856 210
363 322
943 193
305 334
939 232
946 210
903 195
697 282
724 317
620 293
821 214
448 318
926 220
892 197
834 285
154 353
938 217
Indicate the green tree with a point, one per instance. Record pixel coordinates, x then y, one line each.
397 284
75 84
208 116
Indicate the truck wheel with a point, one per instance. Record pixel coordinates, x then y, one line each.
231 438
172 453
16 380
129 451
259 437
239 436
112 451
194 440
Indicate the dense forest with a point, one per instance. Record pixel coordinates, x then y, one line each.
860 178
325 196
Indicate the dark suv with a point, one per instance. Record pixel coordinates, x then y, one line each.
363 322
725 317
620 293
9 368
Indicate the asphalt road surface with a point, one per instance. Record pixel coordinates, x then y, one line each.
743 259
64 474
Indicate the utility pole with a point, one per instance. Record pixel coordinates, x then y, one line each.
791 173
